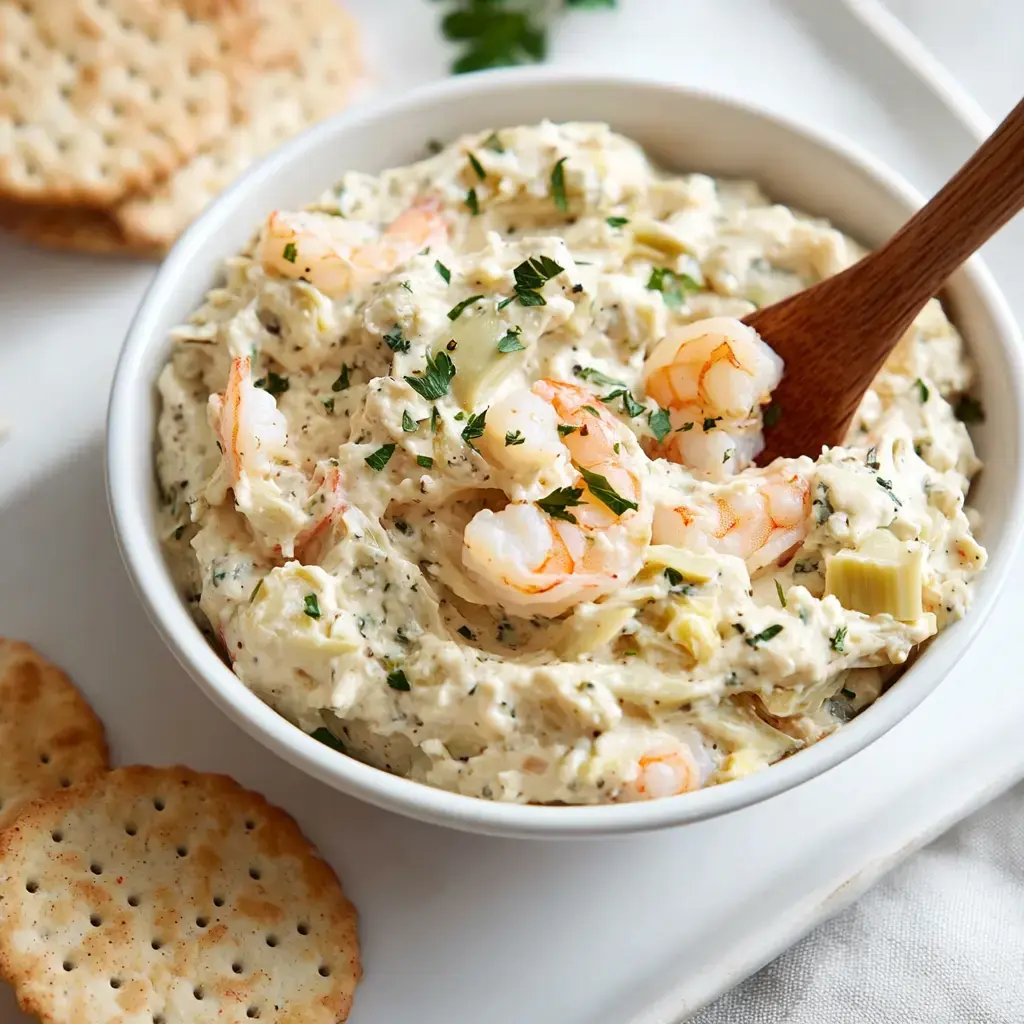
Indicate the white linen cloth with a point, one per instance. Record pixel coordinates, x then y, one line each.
938 941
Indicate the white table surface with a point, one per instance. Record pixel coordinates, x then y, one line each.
466 928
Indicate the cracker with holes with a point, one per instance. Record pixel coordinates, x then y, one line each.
100 97
163 895
301 86
49 736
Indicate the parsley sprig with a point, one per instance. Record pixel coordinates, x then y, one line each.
559 501
531 276
436 378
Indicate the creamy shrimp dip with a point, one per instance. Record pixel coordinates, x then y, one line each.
457 465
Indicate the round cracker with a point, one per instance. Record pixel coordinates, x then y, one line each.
99 97
49 736
73 228
165 895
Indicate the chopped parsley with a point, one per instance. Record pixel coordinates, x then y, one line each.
848 694
435 380
425 461
616 222
592 411
660 423
380 458
477 166
531 276
630 406
511 342
838 639
435 419
329 404
764 636
782 596
969 410
922 390
602 380
559 500
456 311
290 252
474 428
493 143
472 202
311 606
443 271
256 590
822 506
272 384
772 414
604 492
409 425
514 437
674 576
672 286
394 340
729 453
341 384
328 739
558 185
565 429
886 486
466 632
397 680
685 427
407 286
709 422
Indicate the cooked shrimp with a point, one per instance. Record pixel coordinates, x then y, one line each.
338 256
711 376
543 557
672 767
269 487
759 518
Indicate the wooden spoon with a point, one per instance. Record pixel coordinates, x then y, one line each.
835 336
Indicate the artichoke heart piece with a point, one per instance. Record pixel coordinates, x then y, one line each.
692 624
885 577
591 627
692 567
658 236
479 366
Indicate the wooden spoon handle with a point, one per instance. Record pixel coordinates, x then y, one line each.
835 336
973 205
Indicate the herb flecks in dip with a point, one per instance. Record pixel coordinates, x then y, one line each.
457 466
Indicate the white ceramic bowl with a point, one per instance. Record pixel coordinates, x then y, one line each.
683 130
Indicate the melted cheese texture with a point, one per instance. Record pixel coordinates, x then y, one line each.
336 583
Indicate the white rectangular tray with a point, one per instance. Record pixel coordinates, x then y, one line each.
461 928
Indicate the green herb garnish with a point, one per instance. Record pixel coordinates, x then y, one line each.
466 632
409 425
616 222
472 202
685 427
782 596
256 590
493 143
558 185
602 380
435 380
772 414
605 493
328 739
474 428
838 639
329 404
477 166
559 500
672 286
398 681
922 390
729 453
513 437
565 429
290 252
456 311
425 461
394 340
311 606
660 423
511 342
531 276
272 384
674 576
443 271
341 384
435 418
380 458
709 422
764 636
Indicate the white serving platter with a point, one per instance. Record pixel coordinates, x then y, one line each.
465 928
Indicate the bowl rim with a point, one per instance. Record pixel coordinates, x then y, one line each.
128 499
